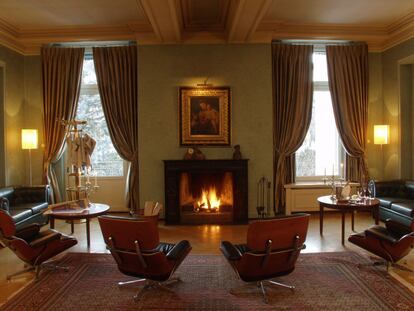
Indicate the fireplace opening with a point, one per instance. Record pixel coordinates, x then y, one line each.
206 197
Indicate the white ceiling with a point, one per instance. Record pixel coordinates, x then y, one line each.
25 25
366 12
64 13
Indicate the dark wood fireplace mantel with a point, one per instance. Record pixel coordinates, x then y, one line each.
174 168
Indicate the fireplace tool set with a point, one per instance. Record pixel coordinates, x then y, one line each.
263 194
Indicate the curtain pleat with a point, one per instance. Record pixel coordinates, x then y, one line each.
292 111
61 72
116 72
348 84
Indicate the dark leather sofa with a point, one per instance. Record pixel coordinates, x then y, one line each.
25 204
396 200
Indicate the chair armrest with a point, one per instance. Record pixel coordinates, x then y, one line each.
31 194
397 227
380 233
4 204
46 237
229 251
28 231
178 250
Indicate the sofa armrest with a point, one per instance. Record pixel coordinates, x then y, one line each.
393 188
31 194
178 250
229 251
5 204
28 231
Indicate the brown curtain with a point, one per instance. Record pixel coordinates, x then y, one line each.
292 111
348 83
61 71
116 71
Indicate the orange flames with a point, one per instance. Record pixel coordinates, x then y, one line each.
209 200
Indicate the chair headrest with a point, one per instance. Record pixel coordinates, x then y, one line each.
280 230
7 225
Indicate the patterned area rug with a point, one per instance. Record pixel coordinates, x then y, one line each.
324 281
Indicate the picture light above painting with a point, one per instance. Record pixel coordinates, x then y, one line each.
205 116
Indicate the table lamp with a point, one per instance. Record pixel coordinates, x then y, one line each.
29 142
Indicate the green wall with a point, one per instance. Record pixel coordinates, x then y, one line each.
13 66
163 69
33 112
375 115
397 157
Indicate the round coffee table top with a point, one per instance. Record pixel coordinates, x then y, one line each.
93 210
328 202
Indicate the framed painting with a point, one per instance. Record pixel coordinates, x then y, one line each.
205 116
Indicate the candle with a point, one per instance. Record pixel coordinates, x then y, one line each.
324 172
342 170
80 179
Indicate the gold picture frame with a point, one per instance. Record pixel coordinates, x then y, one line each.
205 116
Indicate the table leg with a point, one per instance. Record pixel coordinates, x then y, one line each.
72 227
88 236
321 219
52 222
353 221
343 228
376 215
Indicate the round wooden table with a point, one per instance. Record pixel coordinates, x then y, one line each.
371 205
94 210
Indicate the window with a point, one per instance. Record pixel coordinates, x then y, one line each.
105 160
321 152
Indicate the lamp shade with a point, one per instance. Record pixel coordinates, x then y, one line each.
29 139
381 134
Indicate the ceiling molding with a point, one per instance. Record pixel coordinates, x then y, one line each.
164 19
378 38
191 24
245 19
243 24
399 31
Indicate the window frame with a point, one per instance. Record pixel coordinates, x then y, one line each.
323 86
93 89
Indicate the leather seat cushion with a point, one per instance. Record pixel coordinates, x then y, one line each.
387 201
20 214
165 247
35 207
383 234
405 208
242 248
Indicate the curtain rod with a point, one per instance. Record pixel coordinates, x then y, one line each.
317 42
90 44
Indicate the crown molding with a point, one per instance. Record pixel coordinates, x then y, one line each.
164 18
400 31
378 37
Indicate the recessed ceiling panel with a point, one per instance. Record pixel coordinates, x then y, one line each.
374 12
67 13
204 15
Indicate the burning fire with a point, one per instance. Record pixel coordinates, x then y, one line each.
209 200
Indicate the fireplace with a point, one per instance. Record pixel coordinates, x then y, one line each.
205 191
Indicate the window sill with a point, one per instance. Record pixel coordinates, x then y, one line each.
313 185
